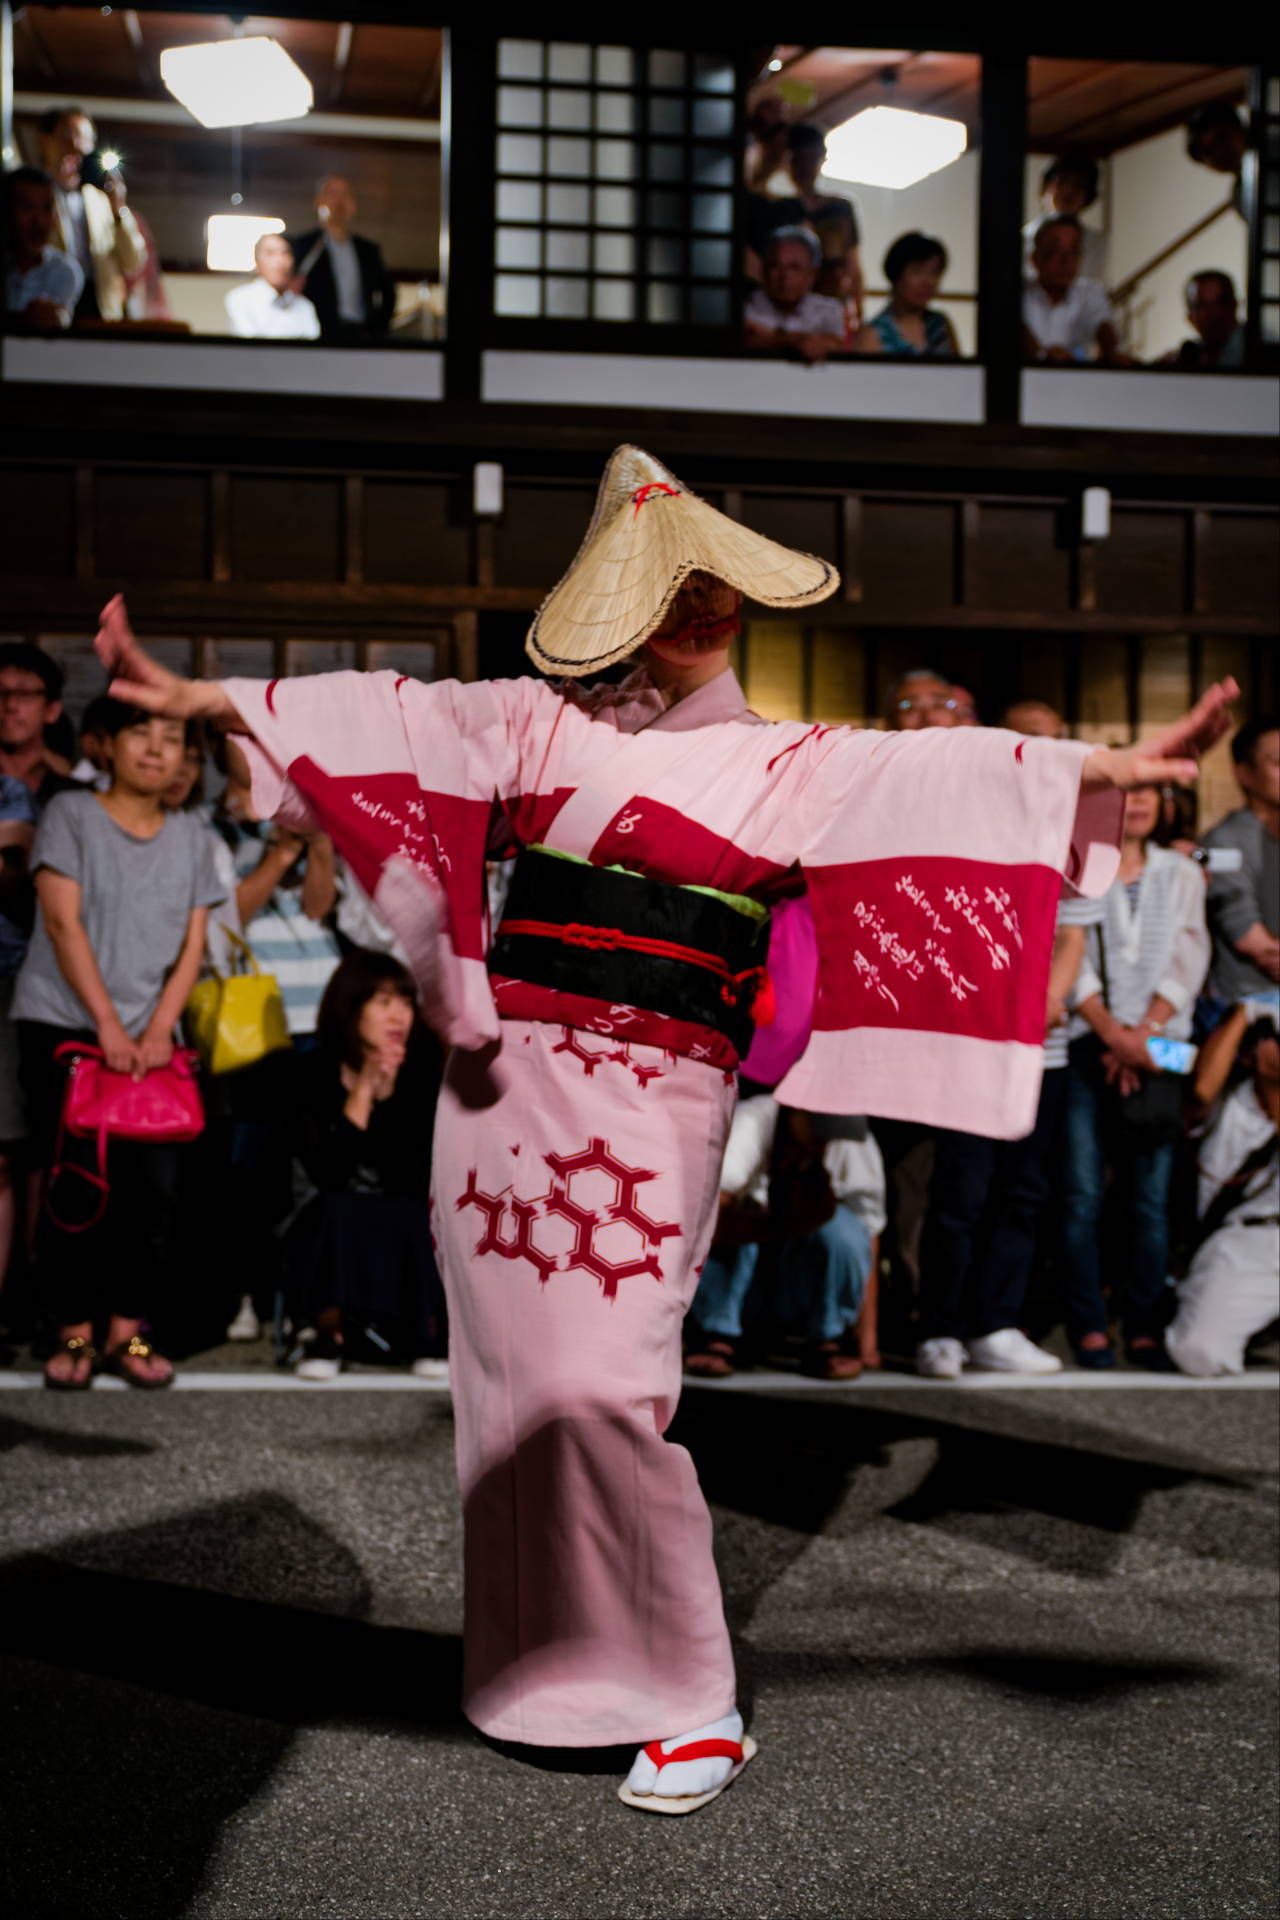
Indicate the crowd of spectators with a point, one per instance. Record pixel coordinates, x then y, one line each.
1144 1204
1144 1200
78 253
806 281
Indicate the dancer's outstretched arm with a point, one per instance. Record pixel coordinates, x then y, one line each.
143 682
1170 757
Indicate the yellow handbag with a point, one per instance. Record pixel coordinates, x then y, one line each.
233 1019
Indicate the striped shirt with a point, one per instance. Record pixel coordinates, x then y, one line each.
300 953
1073 911
1158 944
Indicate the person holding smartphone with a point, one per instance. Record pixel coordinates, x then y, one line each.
1144 965
1232 1287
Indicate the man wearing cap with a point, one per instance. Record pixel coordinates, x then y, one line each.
591 1074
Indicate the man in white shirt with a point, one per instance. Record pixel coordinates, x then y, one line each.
1066 319
786 312
266 308
1069 185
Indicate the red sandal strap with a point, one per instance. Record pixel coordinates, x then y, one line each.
695 1750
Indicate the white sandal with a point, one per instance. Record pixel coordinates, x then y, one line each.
694 1750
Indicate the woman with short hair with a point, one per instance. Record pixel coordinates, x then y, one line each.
910 327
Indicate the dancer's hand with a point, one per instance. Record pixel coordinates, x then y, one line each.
143 682
1170 758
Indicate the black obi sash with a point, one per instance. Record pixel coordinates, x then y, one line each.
632 941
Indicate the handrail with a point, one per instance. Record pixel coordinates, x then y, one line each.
1126 287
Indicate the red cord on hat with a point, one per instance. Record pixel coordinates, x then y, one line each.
647 492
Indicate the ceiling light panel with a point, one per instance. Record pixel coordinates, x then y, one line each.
891 147
237 83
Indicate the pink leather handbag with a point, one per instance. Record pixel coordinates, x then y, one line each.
100 1105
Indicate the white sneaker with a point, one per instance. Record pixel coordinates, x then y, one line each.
245 1326
940 1359
425 1367
1009 1351
317 1367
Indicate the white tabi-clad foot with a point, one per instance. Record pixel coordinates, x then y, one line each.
681 1786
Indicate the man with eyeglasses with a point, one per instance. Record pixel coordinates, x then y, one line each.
30 701
921 698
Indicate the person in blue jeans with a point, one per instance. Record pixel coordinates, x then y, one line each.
817 1205
1144 965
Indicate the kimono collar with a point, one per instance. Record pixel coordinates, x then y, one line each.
717 700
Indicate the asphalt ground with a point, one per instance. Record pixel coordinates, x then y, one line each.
1006 1653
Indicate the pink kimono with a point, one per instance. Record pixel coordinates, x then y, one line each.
579 1143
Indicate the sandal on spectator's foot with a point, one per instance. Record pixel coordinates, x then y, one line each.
1150 1355
1095 1359
827 1360
713 1359
82 1349
737 1751
136 1348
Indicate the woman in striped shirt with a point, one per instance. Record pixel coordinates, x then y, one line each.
1143 968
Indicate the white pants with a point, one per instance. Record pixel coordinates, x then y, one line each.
1231 1293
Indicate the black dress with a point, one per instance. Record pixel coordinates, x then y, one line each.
362 1240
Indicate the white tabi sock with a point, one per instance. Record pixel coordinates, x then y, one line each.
687 1776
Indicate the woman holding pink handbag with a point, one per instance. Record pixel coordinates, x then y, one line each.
124 887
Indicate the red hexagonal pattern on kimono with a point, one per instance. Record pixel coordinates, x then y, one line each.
594 1194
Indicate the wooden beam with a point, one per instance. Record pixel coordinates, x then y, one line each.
147 75
24 23
851 546
874 78
220 525
84 523
341 62
466 646
353 530
1207 87
431 91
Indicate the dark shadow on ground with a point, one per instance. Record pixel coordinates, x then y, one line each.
144 1712
1051 1680
778 1471
79 1446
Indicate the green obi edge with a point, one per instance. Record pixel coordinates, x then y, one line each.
750 909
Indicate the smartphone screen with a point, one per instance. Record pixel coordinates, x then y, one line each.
1172 1056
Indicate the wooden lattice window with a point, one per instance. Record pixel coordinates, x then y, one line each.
616 168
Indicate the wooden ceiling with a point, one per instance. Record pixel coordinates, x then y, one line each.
115 51
1099 105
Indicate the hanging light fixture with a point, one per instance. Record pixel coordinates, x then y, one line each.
230 239
892 147
237 83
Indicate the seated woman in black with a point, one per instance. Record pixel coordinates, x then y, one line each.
359 1251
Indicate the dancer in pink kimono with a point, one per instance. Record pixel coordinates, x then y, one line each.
594 1040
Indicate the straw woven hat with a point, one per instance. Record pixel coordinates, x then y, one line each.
646 534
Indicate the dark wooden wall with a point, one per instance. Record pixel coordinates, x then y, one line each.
367 550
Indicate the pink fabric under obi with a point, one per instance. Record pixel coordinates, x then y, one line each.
793 972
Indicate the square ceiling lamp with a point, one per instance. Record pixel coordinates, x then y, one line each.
237 83
892 147
231 238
